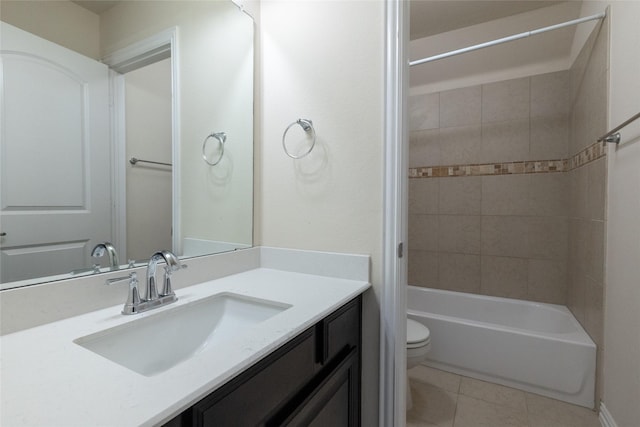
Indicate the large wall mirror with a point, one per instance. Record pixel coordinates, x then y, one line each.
127 127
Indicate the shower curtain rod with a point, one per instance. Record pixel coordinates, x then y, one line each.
506 39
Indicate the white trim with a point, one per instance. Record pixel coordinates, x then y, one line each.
175 129
159 46
239 4
605 417
118 164
144 52
393 296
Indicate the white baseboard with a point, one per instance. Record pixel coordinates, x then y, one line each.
606 419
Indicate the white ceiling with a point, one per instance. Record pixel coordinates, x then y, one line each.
430 17
460 24
96 6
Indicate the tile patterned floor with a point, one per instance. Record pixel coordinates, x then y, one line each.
443 399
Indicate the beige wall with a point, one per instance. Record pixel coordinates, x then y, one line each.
622 291
324 61
59 21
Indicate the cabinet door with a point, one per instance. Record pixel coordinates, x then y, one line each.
334 402
249 399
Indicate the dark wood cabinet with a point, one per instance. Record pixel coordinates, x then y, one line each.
312 380
334 401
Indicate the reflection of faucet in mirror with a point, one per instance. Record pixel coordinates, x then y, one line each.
99 250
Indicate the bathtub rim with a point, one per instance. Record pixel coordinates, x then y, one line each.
579 336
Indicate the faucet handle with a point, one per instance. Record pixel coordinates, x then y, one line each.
171 269
133 296
172 264
166 285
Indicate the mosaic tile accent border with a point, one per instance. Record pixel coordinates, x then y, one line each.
512 168
588 155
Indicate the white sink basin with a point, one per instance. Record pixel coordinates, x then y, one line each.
157 342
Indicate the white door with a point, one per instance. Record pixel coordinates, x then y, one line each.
55 173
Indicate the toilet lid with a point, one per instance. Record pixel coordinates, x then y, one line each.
417 333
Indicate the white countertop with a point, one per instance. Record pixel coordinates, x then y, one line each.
48 380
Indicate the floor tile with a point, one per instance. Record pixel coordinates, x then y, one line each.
443 399
493 393
432 404
472 412
435 377
419 423
546 412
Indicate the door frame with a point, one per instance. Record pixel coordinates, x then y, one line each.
393 304
144 52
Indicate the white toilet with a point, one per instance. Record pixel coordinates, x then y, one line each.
418 345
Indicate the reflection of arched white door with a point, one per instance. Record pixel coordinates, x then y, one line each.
55 157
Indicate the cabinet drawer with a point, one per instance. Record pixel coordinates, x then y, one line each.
339 331
247 400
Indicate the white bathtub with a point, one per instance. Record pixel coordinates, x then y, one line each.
540 348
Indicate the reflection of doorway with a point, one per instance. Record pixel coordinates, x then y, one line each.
133 68
148 137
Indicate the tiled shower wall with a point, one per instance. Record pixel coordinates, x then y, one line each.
491 232
587 185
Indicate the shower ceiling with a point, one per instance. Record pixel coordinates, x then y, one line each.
434 17
460 24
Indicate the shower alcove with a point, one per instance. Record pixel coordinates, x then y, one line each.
506 180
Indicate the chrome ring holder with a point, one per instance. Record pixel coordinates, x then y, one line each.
307 126
221 137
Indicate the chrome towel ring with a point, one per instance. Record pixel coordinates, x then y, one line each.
221 137
307 126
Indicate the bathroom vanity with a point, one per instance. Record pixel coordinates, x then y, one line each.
314 379
288 354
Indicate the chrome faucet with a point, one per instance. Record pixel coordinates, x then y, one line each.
136 304
107 247
172 264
